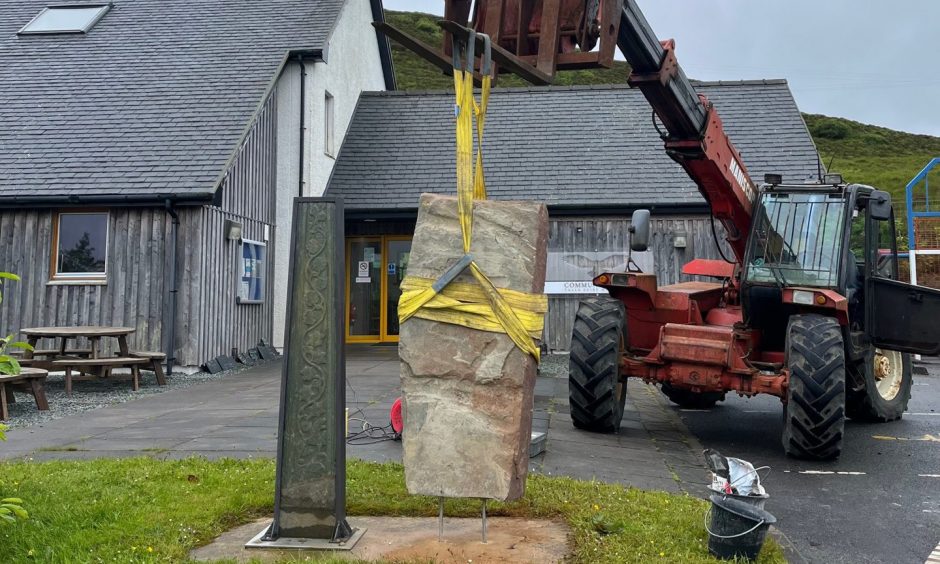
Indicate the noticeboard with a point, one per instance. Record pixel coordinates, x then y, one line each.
251 282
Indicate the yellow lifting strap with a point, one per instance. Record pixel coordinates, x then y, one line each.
478 306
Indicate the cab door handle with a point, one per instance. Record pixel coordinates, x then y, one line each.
915 296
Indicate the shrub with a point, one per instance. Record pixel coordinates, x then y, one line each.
828 128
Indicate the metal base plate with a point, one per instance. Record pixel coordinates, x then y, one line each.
304 544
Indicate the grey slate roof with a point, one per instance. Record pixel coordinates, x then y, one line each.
153 100
566 146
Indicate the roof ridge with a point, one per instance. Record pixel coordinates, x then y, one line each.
747 82
573 87
509 89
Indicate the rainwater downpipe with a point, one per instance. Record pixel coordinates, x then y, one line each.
174 290
303 125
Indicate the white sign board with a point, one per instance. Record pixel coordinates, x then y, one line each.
363 269
571 272
573 287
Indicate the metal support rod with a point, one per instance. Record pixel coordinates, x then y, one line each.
484 520
440 519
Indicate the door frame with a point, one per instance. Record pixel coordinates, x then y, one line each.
383 240
385 337
348 304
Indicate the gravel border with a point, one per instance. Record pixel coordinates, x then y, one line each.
95 394
554 365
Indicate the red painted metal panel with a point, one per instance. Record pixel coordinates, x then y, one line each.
709 267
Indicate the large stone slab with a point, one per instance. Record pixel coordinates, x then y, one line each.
467 394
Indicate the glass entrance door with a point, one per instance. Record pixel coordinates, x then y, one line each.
375 268
364 289
397 253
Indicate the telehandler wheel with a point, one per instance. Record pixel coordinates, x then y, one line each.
596 393
814 417
691 400
887 379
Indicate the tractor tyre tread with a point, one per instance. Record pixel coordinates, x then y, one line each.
814 417
594 365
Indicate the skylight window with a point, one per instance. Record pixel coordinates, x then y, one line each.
66 19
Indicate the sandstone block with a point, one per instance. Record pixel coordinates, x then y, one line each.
467 394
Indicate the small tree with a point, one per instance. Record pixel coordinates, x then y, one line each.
8 364
10 508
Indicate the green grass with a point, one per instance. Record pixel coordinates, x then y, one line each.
146 510
865 154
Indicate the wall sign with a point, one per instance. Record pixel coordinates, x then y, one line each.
251 282
571 272
362 275
573 287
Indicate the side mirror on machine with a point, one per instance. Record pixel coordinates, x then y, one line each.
640 230
879 203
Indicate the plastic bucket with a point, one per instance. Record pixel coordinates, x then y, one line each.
736 529
757 501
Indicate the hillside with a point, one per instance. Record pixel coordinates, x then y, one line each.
873 155
863 153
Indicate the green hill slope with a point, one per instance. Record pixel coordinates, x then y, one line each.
869 154
865 154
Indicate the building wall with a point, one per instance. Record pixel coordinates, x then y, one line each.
209 321
582 247
602 235
248 187
352 65
133 294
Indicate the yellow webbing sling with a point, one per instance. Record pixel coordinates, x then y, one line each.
479 306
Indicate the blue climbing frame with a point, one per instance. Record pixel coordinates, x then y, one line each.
909 192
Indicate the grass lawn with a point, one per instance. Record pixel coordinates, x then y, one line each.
146 510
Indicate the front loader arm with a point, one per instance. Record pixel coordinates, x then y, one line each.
694 135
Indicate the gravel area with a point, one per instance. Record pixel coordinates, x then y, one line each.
554 365
94 394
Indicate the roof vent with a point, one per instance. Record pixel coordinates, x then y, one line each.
76 18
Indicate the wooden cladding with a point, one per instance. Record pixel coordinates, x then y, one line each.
132 294
604 235
248 187
210 322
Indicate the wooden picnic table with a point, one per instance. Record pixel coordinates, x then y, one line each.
31 380
93 333
89 361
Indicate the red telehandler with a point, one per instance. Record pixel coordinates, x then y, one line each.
807 307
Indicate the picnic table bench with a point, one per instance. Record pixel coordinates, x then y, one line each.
98 368
89 363
30 380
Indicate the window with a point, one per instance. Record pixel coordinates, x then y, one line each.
328 125
66 19
80 246
798 240
251 282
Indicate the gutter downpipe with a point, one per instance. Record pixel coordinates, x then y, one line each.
303 125
174 290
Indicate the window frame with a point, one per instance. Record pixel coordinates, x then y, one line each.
263 278
77 277
329 124
103 9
